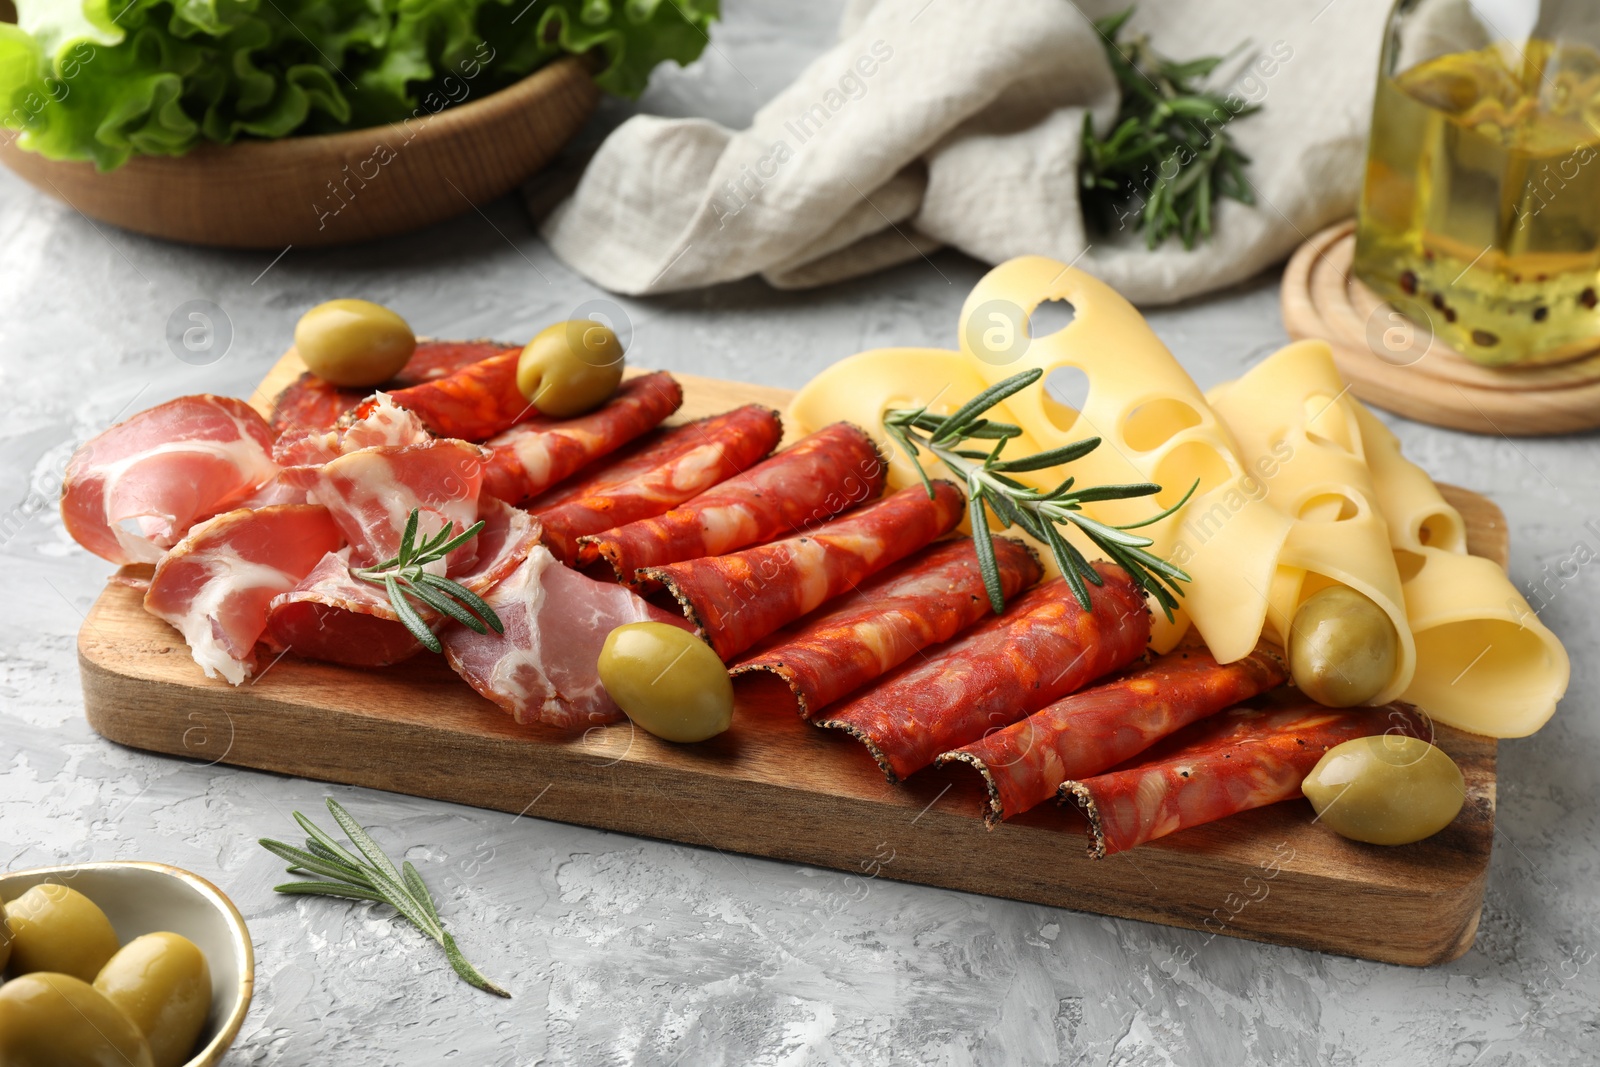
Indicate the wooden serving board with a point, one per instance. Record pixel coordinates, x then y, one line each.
775 786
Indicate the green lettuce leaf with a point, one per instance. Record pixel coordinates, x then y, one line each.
103 80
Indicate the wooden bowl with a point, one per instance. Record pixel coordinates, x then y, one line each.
145 898
336 188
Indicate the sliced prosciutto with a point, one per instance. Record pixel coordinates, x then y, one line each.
736 600
863 635
1096 729
1241 759
135 490
534 455
1044 647
310 403
371 492
214 585
384 424
337 617
813 480
543 668
473 403
693 458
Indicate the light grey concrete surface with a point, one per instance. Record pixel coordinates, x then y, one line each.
623 950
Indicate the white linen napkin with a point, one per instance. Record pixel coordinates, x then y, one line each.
957 122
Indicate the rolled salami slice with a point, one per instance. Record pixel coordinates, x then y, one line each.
1044 647
736 600
473 403
863 635
310 403
1240 759
819 476
1096 729
688 460
534 455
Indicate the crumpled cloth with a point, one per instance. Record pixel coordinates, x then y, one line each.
958 122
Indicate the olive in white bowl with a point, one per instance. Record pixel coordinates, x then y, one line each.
147 898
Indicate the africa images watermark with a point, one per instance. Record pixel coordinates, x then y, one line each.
738 193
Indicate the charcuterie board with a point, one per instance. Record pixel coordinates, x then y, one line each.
774 786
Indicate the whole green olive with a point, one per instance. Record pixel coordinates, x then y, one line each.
570 368
668 681
353 343
1342 648
56 1020
54 928
162 983
1392 789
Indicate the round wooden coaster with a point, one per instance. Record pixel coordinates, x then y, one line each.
1396 365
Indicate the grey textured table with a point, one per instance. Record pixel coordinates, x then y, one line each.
624 950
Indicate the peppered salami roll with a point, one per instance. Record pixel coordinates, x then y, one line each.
1090 731
813 480
310 403
473 403
736 600
686 462
534 455
862 636
1240 759
1044 647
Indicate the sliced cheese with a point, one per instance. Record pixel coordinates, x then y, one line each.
1293 408
1485 662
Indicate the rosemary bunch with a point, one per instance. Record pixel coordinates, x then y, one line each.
991 489
403 577
370 876
1168 153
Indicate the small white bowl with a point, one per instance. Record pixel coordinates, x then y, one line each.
146 898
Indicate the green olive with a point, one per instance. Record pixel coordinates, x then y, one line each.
353 343
1386 790
54 928
668 681
56 1020
162 983
1342 648
570 368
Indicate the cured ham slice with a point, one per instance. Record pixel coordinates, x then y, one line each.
371 492
384 424
736 600
543 668
819 476
534 455
1096 729
135 490
1044 647
215 584
1237 760
473 403
334 616
691 459
310 403
863 635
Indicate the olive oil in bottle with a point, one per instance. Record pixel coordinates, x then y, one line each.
1480 211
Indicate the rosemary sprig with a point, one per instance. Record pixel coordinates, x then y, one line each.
991 489
1169 146
403 577
370 876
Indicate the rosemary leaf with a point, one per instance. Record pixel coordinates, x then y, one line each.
472 600
408 615
374 878
983 541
